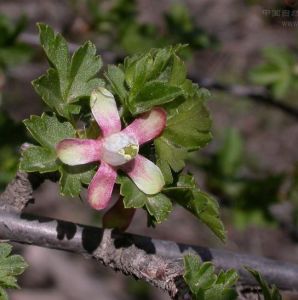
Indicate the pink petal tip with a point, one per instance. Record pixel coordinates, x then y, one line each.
148 125
78 151
101 187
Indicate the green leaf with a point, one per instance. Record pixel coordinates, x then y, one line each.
152 94
161 59
227 278
136 70
200 204
159 206
72 178
169 157
277 72
189 125
47 131
10 267
9 282
151 79
178 72
188 129
3 294
84 66
140 69
205 284
69 79
133 197
116 78
38 159
269 293
197 275
5 250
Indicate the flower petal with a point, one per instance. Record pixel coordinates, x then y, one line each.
105 111
78 151
148 125
145 174
101 187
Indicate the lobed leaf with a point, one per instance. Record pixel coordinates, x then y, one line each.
116 79
268 293
277 72
68 79
159 206
73 177
205 284
200 204
10 267
153 93
169 157
47 131
148 80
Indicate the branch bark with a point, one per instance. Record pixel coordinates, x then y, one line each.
157 261
121 252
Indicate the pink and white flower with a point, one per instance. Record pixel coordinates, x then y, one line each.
116 149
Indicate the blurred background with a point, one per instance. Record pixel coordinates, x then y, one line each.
244 51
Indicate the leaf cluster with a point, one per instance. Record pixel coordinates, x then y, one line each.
158 78
143 81
269 293
279 72
205 284
67 81
10 267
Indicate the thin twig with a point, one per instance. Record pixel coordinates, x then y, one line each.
118 251
257 94
84 239
106 246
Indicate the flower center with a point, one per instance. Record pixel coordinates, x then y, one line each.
119 148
